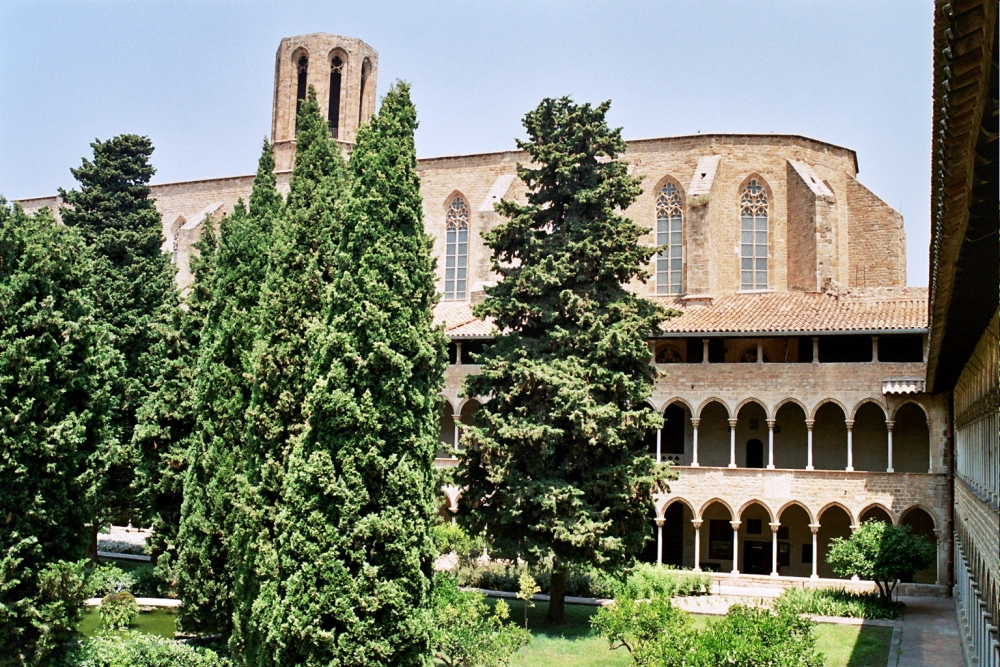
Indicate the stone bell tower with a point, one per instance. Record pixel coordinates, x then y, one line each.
343 72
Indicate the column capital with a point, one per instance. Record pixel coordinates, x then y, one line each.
695 421
809 423
775 526
814 528
733 423
771 422
849 423
854 528
659 522
889 424
697 523
735 524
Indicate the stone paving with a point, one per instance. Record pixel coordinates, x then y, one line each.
929 634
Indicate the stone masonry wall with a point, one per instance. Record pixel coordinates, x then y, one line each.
877 246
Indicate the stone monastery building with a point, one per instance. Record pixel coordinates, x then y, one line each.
793 384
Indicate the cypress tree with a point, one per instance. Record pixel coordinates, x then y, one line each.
133 290
165 422
204 571
556 471
290 308
52 402
354 552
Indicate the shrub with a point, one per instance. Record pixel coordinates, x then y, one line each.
108 578
118 610
120 546
880 552
505 577
134 649
449 537
647 581
836 602
653 631
464 631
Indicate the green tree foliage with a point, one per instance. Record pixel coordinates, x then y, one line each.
204 572
52 361
137 649
880 552
356 557
133 291
466 634
556 470
289 313
165 424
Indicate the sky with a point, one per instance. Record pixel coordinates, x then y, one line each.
197 78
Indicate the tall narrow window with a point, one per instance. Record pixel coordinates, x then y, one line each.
366 70
669 236
300 91
456 254
336 74
753 237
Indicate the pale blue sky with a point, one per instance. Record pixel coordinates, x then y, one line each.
197 78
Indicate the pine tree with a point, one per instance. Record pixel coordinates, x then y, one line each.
165 422
204 572
133 289
354 552
52 407
299 272
557 471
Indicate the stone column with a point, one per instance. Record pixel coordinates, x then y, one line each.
697 544
888 428
659 541
814 527
659 440
455 422
809 444
694 442
736 547
942 558
850 444
760 351
815 350
704 350
874 349
458 353
732 443
774 547
770 444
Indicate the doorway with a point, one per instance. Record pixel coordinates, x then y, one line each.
756 557
755 453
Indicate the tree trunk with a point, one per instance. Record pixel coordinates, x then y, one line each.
91 551
557 597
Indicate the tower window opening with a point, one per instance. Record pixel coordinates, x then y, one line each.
670 240
336 75
366 70
753 237
300 92
456 250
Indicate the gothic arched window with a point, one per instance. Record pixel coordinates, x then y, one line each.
336 76
302 67
669 236
753 237
366 70
456 254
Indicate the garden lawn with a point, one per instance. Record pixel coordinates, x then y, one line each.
575 644
159 621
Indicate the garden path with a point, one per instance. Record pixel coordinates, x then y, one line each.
930 634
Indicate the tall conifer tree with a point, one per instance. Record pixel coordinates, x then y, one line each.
354 552
52 403
223 391
133 289
290 308
557 471
165 426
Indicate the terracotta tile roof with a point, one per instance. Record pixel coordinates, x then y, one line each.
780 312
790 312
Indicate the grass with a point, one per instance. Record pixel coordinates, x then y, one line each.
159 621
575 644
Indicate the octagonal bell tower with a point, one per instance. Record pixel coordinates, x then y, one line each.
343 71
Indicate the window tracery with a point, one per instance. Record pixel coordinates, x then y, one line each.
753 237
302 69
670 237
336 77
456 250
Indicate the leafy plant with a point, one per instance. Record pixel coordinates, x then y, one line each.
647 581
466 633
449 537
119 610
135 649
653 631
880 552
836 602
